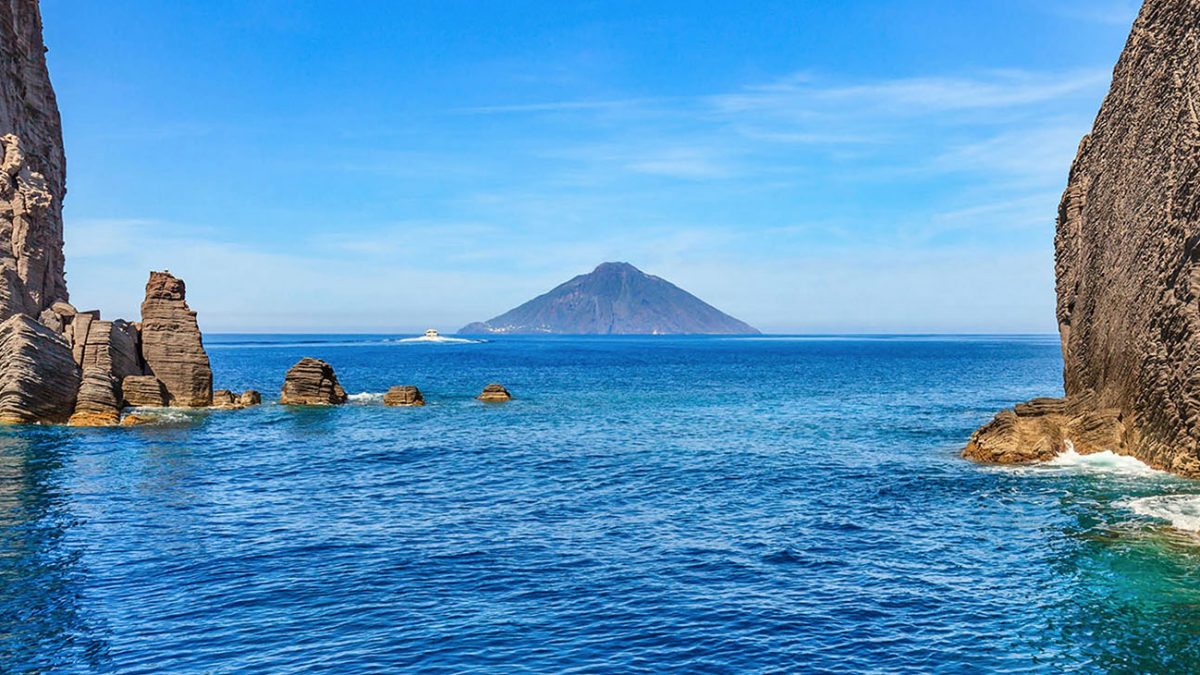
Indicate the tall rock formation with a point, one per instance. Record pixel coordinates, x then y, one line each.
615 298
171 343
32 171
1127 260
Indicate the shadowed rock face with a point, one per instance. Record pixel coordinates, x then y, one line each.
32 170
38 376
1127 248
311 382
615 298
171 343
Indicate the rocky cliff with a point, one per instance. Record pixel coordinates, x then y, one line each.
1127 261
57 363
615 298
32 171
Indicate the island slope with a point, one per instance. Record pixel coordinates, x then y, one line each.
614 299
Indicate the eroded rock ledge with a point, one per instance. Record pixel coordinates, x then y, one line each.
1040 429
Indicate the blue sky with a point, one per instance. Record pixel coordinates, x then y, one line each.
848 166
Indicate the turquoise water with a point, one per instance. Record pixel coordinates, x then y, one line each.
644 505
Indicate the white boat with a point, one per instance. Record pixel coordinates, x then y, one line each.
432 335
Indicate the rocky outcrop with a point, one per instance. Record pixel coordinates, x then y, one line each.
495 393
143 391
311 382
1046 427
1127 252
32 169
98 403
249 398
38 377
171 343
404 395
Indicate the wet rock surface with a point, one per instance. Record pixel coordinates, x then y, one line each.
495 393
311 382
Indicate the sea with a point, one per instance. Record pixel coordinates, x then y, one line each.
774 504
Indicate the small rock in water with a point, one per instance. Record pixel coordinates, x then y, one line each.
495 393
405 395
223 398
250 397
312 382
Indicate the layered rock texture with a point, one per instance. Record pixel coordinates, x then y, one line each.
39 379
57 363
172 345
312 382
32 171
403 396
1127 262
615 298
495 393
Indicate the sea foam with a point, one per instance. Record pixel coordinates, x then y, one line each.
1182 511
1101 462
365 398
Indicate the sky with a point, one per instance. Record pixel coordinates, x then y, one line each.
807 166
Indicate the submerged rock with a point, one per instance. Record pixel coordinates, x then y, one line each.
143 391
495 393
38 376
405 395
311 382
1127 264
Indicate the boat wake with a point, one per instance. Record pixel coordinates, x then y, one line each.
439 340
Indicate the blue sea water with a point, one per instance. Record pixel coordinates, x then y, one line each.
720 505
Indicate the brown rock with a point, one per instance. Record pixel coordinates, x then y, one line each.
171 343
311 382
406 395
32 169
98 403
38 377
223 398
143 391
250 397
1045 427
1127 253
495 393
136 420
